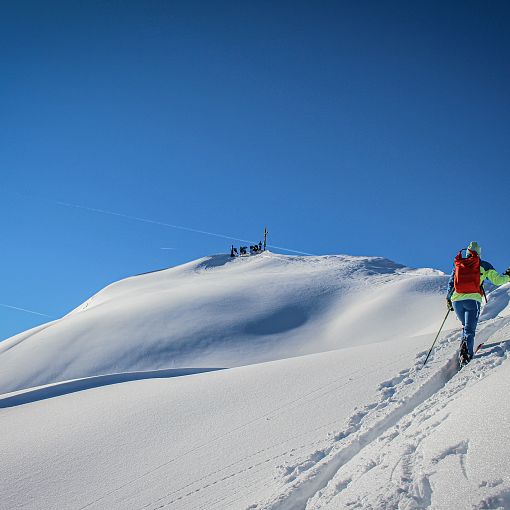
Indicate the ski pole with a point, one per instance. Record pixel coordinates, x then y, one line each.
483 293
437 336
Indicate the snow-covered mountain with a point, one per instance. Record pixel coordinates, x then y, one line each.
351 420
223 312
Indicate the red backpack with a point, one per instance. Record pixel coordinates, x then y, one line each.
467 273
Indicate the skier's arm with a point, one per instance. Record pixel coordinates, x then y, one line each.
494 276
451 283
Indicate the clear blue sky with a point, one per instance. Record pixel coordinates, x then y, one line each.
361 127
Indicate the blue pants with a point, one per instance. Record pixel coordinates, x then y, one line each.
468 311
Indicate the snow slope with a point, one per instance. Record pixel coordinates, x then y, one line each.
219 312
361 426
210 440
440 440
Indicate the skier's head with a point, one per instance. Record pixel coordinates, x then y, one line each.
474 246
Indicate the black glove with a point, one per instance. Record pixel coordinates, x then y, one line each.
507 272
449 304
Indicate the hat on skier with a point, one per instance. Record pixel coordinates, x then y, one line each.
474 246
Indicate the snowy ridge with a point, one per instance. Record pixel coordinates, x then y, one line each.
225 312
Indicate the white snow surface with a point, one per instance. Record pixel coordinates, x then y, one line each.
349 419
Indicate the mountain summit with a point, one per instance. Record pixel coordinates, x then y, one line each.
223 312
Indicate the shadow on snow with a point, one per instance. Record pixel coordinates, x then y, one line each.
66 387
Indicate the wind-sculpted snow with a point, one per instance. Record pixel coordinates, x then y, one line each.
65 388
219 311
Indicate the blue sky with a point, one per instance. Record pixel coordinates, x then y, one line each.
367 128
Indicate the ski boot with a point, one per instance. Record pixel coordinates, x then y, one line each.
464 357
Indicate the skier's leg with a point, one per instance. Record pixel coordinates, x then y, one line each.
461 312
458 306
472 313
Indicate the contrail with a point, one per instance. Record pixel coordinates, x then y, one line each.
25 310
170 225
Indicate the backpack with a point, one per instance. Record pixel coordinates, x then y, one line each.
467 273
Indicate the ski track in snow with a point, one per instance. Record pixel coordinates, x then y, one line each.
258 459
312 483
316 481
194 487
